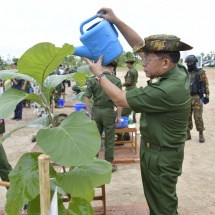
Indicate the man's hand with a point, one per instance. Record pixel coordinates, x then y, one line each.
96 68
108 14
205 100
118 121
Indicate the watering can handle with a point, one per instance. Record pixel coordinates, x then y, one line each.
88 20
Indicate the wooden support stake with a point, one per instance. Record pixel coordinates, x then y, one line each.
44 179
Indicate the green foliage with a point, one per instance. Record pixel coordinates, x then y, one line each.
80 206
73 143
86 175
25 177
49 57
65 139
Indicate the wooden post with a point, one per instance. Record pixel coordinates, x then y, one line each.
44 179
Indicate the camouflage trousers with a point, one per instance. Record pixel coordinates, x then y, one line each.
196 113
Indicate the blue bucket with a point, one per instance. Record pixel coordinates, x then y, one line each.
124 122
79 106
31 90
61 102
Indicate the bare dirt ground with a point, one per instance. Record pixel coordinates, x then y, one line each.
195 187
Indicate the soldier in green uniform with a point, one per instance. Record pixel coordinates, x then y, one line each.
199 92
5 167
103 111
131 79
164 105
76 88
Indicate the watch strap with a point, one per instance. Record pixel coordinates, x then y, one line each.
98 77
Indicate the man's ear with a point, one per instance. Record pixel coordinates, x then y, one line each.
167 64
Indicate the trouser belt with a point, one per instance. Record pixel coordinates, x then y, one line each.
163 148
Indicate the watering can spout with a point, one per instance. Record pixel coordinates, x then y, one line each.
83 51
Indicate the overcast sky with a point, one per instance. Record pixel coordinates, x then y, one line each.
25 23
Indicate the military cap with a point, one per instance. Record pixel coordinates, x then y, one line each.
130 61
161 43
113 64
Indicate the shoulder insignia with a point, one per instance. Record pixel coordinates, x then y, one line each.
154 80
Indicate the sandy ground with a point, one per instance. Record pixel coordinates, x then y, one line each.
195 187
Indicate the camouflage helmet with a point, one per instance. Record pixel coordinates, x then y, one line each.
161 43
191 58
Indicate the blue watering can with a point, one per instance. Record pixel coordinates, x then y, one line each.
99 39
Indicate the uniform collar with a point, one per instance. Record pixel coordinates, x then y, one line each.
169 72
106 72
156 80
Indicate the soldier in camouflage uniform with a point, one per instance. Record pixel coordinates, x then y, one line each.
164 105
199 92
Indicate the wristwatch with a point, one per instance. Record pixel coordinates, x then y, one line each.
99 77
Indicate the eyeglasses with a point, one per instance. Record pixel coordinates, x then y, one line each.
148 59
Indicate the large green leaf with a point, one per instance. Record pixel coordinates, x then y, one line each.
89 195
80 180
75 142
6 74
34 97
41 122
24 179
34 206
79 206
85 69
51 82
10 98
40 60
8 101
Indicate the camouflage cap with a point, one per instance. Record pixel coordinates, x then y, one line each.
161 42
130 61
